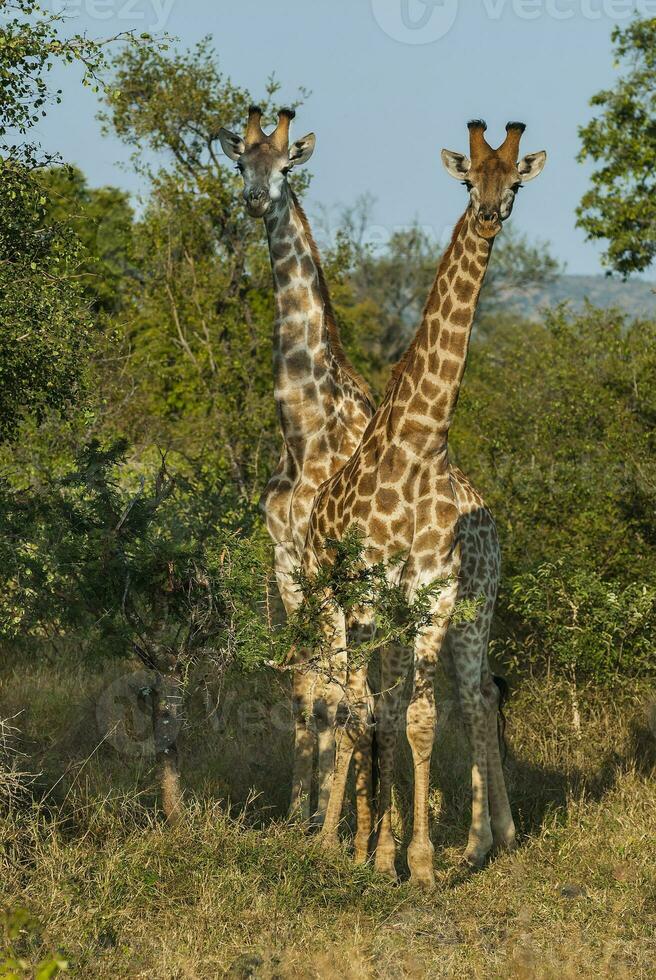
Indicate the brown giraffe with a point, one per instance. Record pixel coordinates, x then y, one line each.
323 409
401 490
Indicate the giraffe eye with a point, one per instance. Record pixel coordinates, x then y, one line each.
468 184
285 170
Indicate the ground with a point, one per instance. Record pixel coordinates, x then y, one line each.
234 890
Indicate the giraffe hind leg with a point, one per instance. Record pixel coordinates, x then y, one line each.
492 823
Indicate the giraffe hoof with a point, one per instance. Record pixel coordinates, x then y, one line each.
387 869
420 862
424 878
474 860
504 845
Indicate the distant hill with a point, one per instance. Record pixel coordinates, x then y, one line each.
637 297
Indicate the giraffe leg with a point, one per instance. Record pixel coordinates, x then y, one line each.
325 713
303 696
358 633
476 715
353 732
420 727
503 825
393 668
363 762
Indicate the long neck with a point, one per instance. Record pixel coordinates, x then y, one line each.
301 353
423 393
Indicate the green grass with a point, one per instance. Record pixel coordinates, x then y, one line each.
235 890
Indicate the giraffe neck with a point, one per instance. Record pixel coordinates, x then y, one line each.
423 392
301 346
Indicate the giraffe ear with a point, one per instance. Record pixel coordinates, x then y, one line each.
301 151
457 165
233 146
531 165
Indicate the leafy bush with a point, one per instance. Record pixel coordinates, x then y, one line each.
580 624
556 428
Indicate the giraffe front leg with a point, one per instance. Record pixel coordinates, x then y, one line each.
420 727
325 712
353 732
303 745
393 668
363 761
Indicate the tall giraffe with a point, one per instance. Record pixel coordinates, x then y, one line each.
323 408
400 488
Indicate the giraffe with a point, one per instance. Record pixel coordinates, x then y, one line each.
323 408
400 488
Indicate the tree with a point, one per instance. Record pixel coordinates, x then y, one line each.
556 426
44 322
620 207
101 218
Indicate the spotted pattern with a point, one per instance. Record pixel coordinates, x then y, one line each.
323 409
401 489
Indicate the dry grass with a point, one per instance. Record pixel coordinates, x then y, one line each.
247 895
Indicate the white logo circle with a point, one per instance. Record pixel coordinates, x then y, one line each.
415 21
124 715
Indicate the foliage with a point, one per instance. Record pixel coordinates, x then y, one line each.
566 463
101 220
368 592
30 44
17 926
620 207
136 567
43 321
582 624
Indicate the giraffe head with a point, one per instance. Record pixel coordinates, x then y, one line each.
493 177
264 161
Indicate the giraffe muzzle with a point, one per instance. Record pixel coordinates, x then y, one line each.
488 222
257 202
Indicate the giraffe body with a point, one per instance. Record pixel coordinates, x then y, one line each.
401 490
323 408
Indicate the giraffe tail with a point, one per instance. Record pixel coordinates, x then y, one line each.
504 691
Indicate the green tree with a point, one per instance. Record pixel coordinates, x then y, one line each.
101 219
44 321
556 427
620 207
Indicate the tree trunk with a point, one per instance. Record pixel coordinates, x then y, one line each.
167 720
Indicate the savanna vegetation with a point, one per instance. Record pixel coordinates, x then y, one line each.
137 431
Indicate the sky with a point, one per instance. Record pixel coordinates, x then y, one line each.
392 82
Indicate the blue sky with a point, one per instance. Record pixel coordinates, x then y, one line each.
392 82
